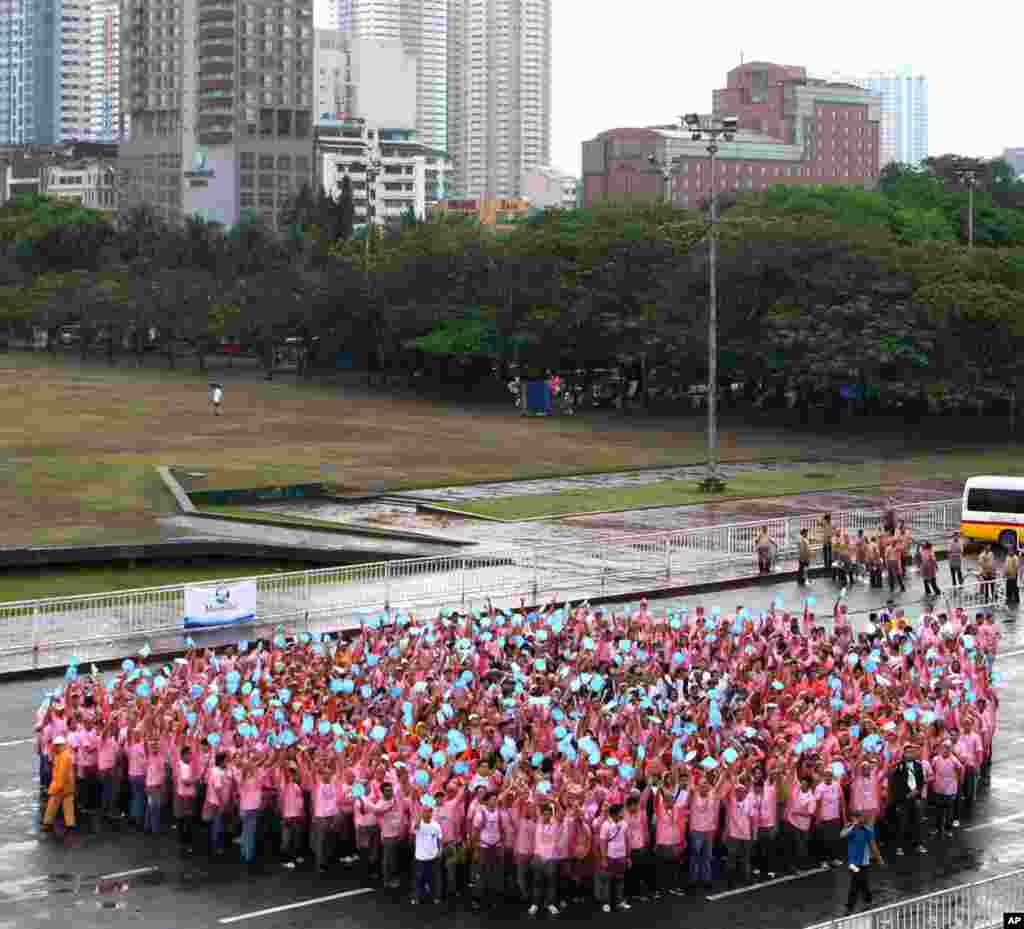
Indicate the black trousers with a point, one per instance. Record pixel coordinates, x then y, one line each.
859 886
1012 591
931 586
801 572
826 555
896 574
956 575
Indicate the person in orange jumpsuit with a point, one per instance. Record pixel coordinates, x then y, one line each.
62 786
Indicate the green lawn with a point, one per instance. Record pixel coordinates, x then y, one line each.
954 465
67 580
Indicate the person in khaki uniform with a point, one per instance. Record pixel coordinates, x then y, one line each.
1012 569
987 571
62 786
804 558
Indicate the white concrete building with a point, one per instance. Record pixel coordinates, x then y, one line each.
421 26
499 94
411 175
547 187
92 183
74 100
368 79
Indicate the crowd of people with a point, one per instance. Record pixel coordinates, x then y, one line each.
552 756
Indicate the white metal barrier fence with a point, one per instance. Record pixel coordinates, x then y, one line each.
980 905
40 633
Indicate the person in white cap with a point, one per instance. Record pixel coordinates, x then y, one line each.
216 396
62 786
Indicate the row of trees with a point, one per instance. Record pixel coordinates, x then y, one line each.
829 282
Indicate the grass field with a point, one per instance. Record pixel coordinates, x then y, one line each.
63 580
79 442
679 493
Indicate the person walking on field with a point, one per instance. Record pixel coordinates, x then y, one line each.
861 851
765 546
894 566
826 542
987 570
62 787
216 396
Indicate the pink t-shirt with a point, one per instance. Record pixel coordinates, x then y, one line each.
107 756
450 815
217 788
864 793
488 824
547 837
828 798
740 816
526 831
801 809
615 839
186 784
767 808
250 793
391 815
136 759
704 812
639 831
154 770
291 801
946 773
666 827
325 800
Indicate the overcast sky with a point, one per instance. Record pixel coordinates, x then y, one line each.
647 61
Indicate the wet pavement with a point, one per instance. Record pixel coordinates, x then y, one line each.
115 878
394 515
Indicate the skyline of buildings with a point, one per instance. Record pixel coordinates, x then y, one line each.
791 130
904 128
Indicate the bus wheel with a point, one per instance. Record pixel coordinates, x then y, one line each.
1008 540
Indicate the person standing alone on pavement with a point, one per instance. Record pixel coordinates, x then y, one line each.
216 396
987 570
861 850
62 786
826 542
803 559
956 556
1012 569
929 569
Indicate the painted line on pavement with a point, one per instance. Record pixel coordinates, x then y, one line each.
821 869
994 822
15 742
1014 654
294 906
132 873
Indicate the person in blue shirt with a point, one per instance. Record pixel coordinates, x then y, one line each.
861 849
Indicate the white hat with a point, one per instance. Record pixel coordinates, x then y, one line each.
60 740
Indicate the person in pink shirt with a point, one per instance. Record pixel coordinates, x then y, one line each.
547 838
947 774
86 760
741 815
523 847
451 817
391 816
488 844
250 804
866 791
292 810
613 846
705 807
367 836
968 748
185 798
641 883
800 810
829 817
136 751
155 775
218 786
668 835
766 848
109 771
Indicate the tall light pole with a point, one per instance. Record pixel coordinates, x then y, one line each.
373 169
666 173
967 173
725 129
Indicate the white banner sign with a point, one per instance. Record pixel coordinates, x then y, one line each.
219 604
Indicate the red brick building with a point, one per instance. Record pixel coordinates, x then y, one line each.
791 130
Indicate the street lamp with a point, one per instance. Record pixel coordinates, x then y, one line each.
967 173
373 169
726 129
666 173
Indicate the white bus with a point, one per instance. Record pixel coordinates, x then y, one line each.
993 510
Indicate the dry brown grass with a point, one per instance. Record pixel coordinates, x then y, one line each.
79 442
